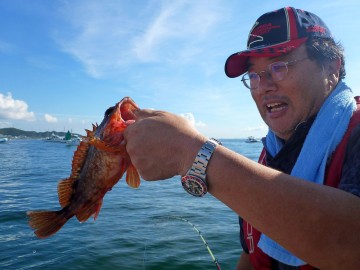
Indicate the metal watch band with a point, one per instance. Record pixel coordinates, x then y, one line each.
202 159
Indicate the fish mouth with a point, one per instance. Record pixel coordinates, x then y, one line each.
125 110
117 116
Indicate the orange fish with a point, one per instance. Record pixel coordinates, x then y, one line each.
98 164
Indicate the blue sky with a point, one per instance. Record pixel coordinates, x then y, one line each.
63 63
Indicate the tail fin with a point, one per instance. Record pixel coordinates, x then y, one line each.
46 223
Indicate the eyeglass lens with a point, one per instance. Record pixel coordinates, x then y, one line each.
277 71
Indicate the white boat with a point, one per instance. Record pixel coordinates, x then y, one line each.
252 139
54 138
2 140
69 139
74 141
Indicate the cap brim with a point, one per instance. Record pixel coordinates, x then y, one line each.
237 63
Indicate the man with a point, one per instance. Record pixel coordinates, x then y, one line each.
294 71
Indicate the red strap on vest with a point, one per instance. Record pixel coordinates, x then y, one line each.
258 258
334 171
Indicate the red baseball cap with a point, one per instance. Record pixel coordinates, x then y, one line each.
276 33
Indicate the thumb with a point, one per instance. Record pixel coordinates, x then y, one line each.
144 113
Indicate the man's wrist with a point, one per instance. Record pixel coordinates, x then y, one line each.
191 151
194 182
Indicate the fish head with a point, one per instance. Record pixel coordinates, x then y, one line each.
115 121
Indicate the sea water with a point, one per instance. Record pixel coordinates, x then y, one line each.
136 229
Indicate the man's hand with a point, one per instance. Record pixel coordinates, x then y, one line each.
161 144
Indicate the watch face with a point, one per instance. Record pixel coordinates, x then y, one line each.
194 185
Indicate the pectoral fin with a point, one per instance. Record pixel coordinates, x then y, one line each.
132 177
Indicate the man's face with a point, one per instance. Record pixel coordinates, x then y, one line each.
285 104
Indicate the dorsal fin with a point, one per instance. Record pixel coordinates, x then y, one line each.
65 191
89 133
79 159
66 186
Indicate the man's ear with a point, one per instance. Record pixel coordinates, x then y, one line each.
334 68
333 72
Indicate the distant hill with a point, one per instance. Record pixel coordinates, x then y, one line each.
14 132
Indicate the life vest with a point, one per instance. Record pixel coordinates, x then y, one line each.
258 258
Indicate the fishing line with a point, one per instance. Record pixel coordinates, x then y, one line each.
216 262
144 256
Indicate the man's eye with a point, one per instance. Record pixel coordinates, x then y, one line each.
252 75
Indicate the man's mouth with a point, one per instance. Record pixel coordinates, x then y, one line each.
275 107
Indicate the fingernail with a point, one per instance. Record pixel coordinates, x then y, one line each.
129 122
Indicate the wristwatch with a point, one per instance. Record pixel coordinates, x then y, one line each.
194 182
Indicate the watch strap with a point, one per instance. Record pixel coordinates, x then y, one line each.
202 159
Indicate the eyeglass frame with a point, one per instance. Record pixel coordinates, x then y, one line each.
269 72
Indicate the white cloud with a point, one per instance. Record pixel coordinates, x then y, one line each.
190 117
105 37
4 124
50 119
97 34
14 109
179 24
85 122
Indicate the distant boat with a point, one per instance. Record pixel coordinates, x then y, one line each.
69 139
54 138
74 141
252 139
2 140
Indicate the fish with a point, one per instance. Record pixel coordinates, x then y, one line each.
99 162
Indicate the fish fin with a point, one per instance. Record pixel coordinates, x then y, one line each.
86 213
97 210
101 145
79 159
46 223
65 190
132 176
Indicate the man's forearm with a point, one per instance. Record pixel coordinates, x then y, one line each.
306 218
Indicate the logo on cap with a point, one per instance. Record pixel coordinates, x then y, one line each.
256 35
316 29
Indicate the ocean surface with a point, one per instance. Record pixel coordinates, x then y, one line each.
146 228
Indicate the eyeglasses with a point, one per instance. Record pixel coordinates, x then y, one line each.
276 71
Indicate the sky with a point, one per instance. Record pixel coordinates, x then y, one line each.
63 63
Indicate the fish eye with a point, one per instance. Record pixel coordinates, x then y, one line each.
109 111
